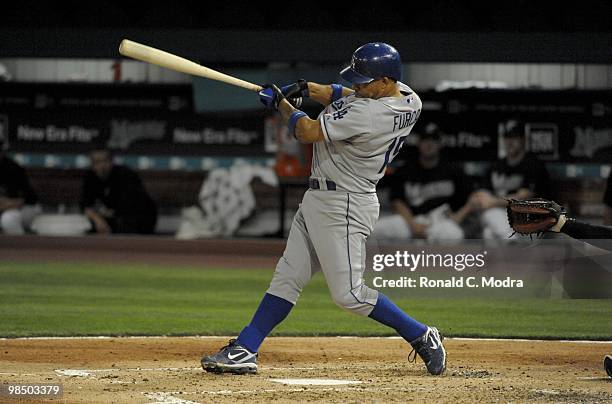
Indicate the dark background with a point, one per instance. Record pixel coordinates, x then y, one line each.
251 33
432 15
309 35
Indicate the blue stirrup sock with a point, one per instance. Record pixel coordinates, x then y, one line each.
387 313
271 311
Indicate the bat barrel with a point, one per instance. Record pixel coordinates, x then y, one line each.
161 58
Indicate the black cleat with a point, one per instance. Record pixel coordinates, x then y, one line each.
608 364
430 349
232 358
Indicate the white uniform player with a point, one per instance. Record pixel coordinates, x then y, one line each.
355 138
429 195
362 136
18 201
519 175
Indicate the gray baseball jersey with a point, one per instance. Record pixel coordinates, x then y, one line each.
330 228
362 136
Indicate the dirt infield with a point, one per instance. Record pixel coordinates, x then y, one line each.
167 370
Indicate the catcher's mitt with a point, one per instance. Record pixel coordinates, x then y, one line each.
533 216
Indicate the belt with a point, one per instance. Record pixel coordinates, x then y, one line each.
325 185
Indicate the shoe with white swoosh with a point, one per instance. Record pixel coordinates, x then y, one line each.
232 358
430 349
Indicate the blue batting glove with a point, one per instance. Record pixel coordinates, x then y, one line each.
266 96
271 96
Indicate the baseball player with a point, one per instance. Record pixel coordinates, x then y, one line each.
520 175
540 221
18 201
428 194
114 199
355 137
581 230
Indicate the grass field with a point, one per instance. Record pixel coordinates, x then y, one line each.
93 299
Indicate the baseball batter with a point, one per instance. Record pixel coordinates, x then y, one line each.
356 136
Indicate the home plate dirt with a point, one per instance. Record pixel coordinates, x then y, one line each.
166 370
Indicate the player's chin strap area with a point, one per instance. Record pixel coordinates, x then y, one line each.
321 184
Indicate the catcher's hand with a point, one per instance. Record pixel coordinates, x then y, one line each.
535 215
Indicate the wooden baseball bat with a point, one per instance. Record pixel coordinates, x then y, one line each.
158 57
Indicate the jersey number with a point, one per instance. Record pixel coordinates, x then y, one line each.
393 150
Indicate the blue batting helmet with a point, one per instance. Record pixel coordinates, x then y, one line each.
372 61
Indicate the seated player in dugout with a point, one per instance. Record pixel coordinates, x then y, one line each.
114 198
519 175
429 195
18 201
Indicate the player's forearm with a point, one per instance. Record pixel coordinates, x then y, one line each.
404 211
286 109
306 130
322 93
460 215
522 193
309 131
99 222
93 215
500 202
580 230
